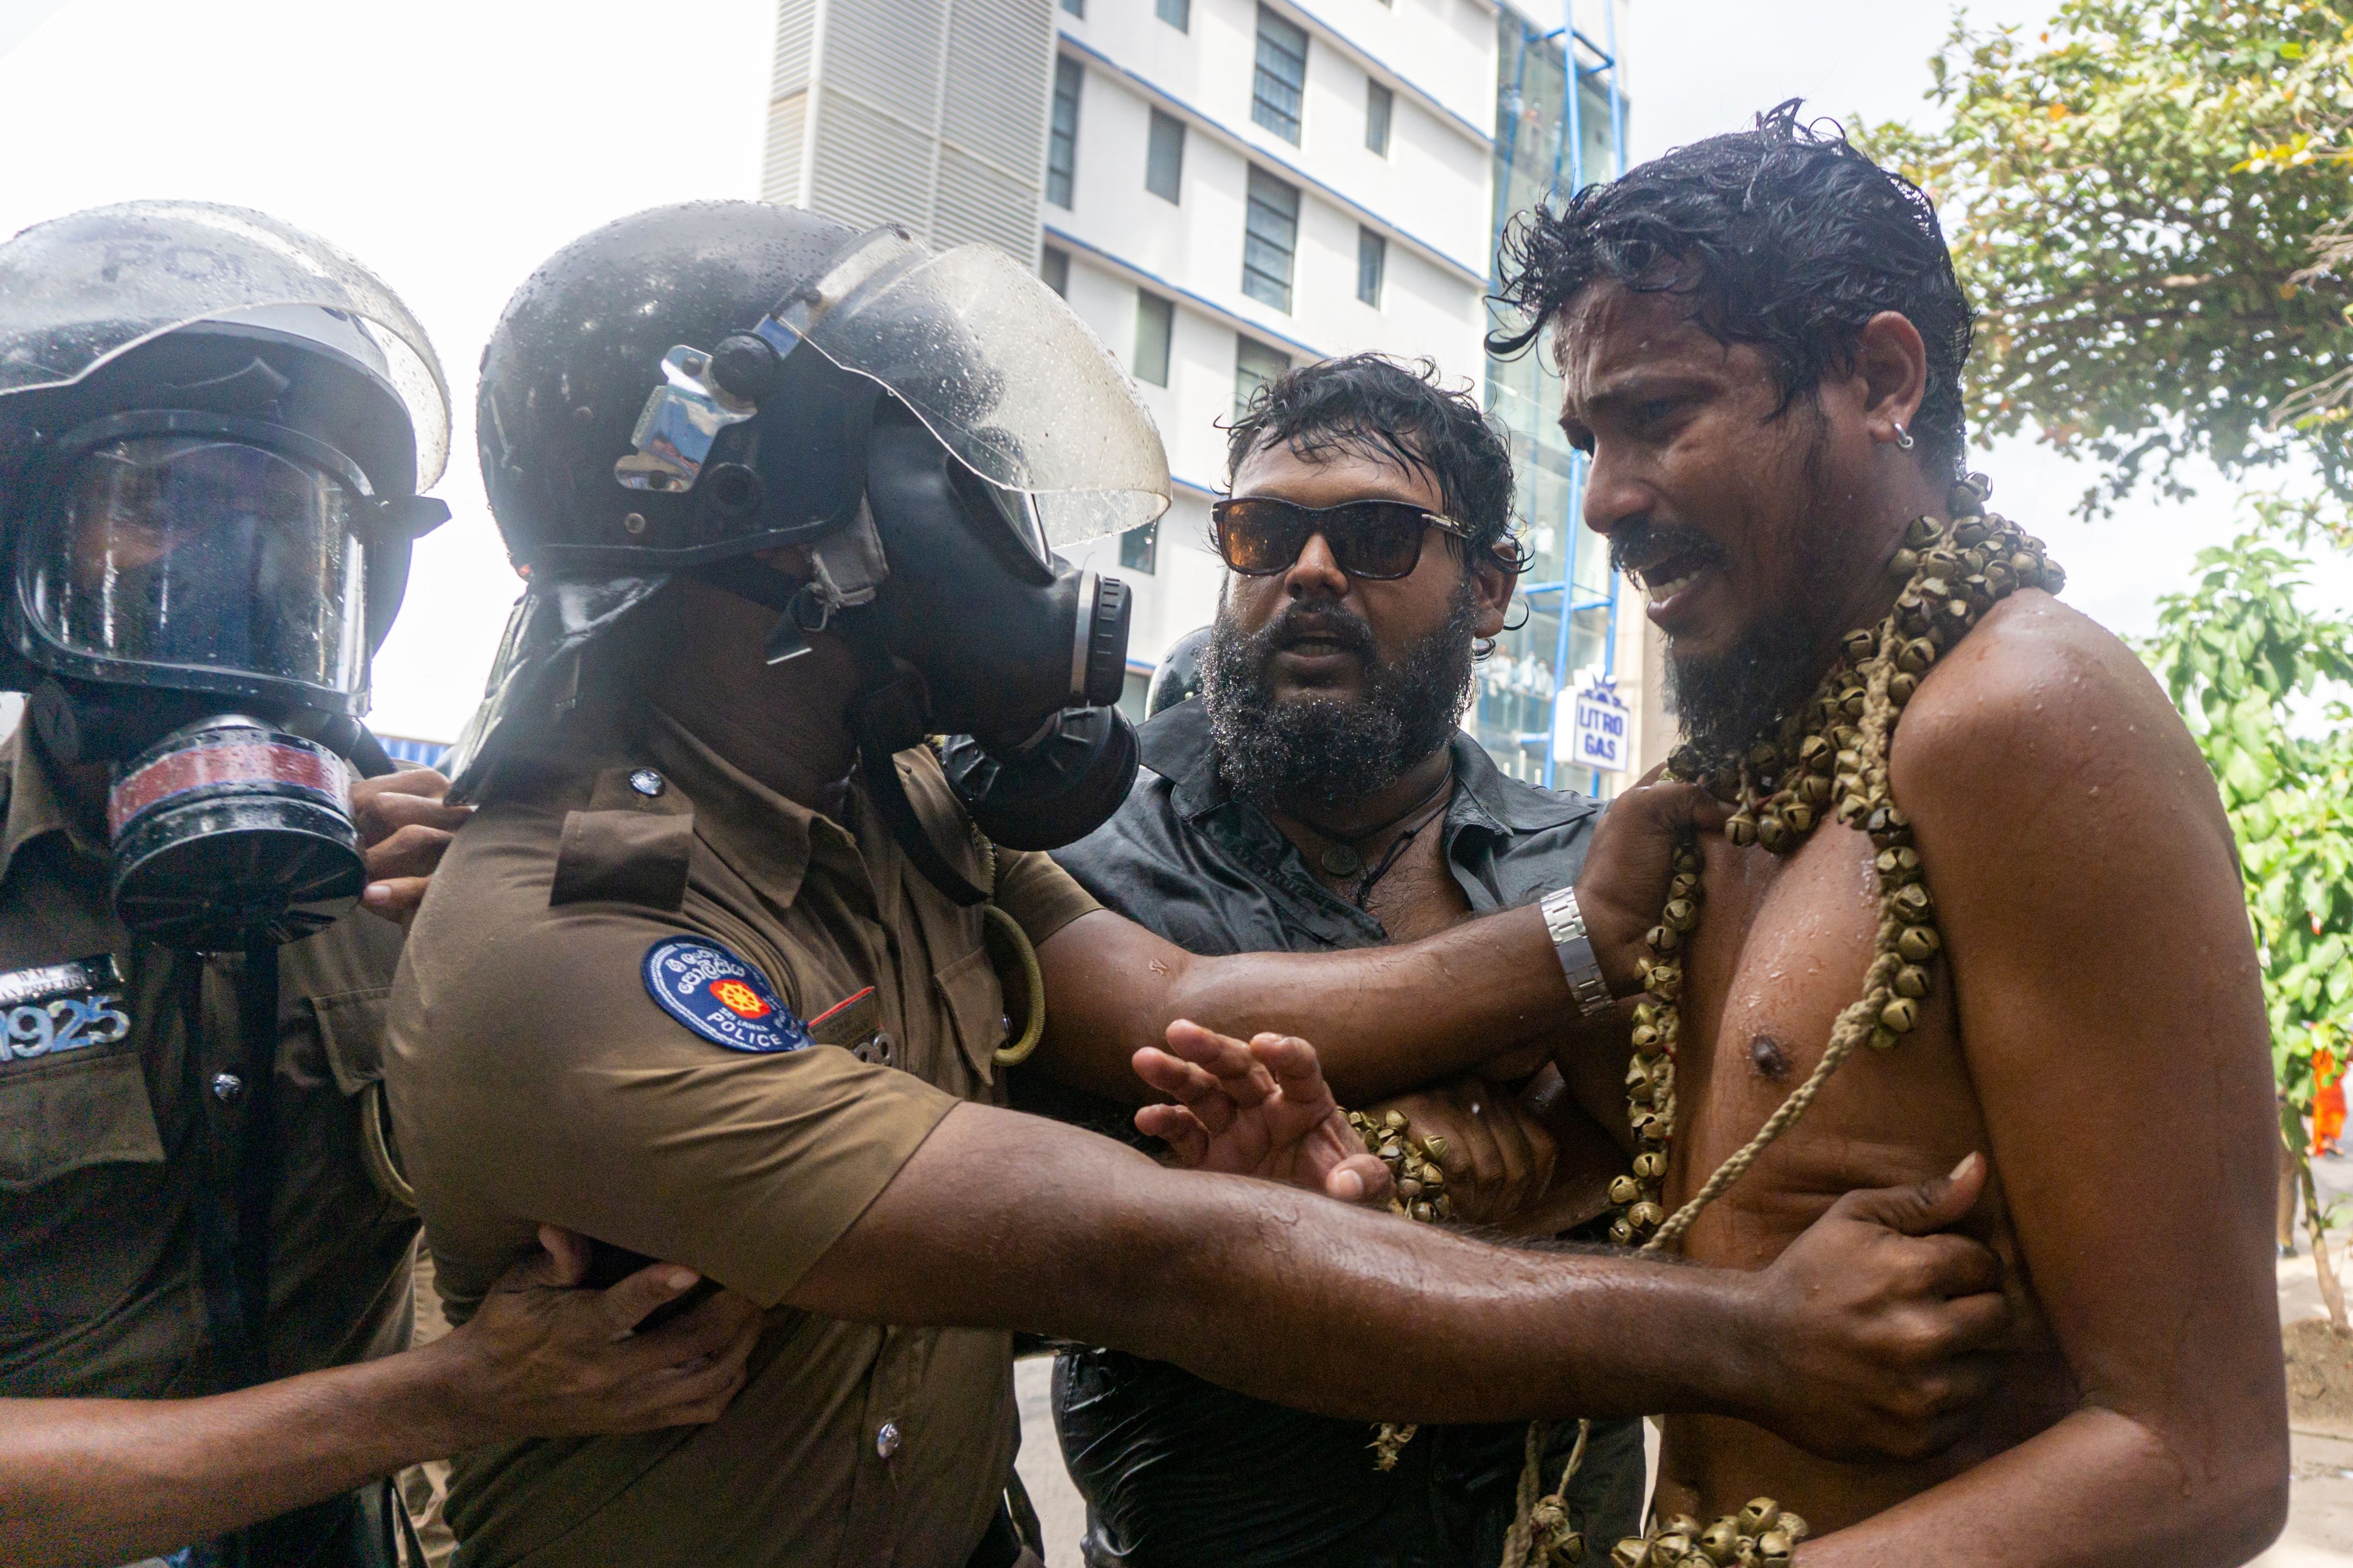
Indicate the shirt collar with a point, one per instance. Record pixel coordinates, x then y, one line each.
35 805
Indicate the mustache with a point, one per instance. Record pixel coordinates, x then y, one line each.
1637 547
1299 622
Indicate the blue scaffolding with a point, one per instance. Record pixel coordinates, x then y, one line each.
1596 70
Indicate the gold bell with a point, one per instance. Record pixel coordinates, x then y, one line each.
1858 643
1924 531
1621 1234
1435 1147
1424 1213
1632 1552
1721 1541
1883 1039
1645 1216
1814 790
1624 1190
1771 831
1740 831
1774 1549
1799 815
1650 1166
1793 1527
1903 563
1394 1120
1900 689
1912 904
1757 1516
1911 980
1900 1015
1681 914
1565 1546
1918 944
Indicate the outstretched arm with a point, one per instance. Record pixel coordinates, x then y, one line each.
1850 1343
1385 1019
2113 1025
97 1482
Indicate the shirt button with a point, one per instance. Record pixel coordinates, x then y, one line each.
226 1086
647 782
886 1438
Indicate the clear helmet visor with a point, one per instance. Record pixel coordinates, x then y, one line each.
77 292
998 367
179 553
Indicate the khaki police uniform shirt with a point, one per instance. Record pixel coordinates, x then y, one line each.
533 1077
103 1123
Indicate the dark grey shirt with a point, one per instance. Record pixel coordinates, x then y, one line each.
1180 1473
1210 873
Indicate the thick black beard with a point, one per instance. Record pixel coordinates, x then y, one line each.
1326 752
1728 702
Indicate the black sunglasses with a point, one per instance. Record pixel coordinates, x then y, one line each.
1376 540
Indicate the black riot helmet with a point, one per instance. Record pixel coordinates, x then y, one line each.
691 385
1178 678
213 429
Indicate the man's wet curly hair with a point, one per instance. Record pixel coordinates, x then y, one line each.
1785 236
1396 412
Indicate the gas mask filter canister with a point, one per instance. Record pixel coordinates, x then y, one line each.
229 834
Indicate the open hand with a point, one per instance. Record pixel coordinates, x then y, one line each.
542 1357
1257 1109
406 827
1876 1331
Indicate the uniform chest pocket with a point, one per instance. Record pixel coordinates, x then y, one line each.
65 1113
976 1008
351 1027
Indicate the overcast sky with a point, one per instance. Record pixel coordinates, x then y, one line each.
452 147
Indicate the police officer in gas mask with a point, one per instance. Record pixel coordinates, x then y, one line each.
732 966
213 431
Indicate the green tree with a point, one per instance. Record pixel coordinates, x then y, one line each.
2239 656
2135 196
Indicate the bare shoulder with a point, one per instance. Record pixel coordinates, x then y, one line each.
2041 723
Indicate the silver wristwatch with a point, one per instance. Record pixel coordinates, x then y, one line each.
1578 961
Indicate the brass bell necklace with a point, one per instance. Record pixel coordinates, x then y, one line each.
1829 758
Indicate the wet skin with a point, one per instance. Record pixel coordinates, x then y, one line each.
2096 1026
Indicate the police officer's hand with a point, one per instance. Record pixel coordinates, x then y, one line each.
1257 1109
543 1358
1498 1155
405 826
1624 883
1873 1330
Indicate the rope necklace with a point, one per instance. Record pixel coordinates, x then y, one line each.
1829 756
1341 857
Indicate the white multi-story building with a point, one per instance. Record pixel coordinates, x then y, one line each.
1224 188
1234 187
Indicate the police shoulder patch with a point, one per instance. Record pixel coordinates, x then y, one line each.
719 997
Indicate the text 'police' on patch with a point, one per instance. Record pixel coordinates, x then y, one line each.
719 997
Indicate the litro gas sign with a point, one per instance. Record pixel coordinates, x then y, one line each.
1600 731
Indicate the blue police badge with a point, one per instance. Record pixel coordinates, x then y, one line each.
719 997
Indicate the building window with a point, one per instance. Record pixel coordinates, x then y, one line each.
1075 8
1139 549
1062 141
1272 235
1054 266
1156 324
1282 77
1255 364
1372 262
1177 13
1164 156
1379 103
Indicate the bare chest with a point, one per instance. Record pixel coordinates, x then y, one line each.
1782 947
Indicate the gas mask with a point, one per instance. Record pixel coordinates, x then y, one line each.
216 425
929 426
197 589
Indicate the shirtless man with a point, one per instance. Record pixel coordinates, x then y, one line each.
1760 339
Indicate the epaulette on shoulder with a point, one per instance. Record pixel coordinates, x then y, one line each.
632 844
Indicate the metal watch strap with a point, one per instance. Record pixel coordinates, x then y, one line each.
1566 924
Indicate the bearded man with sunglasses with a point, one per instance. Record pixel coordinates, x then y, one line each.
1318 795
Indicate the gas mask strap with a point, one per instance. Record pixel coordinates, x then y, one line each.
888 716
